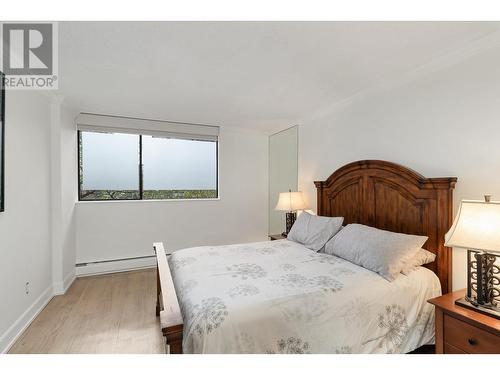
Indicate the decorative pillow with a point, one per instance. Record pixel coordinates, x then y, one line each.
422 257
314 231
377 250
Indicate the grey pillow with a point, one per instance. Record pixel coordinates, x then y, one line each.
378 250
314 231
422 257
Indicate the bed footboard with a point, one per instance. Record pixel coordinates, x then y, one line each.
167 304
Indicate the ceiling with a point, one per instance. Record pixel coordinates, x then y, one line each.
260 75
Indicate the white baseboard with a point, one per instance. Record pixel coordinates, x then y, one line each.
61 288
115 266
16 330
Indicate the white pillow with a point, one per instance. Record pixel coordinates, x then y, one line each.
377 250
314 231
421 257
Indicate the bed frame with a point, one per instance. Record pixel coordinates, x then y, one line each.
371 192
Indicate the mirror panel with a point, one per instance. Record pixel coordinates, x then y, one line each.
283 172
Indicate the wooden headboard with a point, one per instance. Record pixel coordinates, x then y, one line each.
389 196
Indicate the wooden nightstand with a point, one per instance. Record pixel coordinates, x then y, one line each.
274 237
461 331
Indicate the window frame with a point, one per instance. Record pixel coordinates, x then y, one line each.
2 142
140 174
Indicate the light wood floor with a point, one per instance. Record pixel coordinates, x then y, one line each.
99 314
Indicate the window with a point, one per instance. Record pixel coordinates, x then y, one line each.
109 166
121 166
179 168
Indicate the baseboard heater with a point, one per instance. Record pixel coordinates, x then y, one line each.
115 265
115 260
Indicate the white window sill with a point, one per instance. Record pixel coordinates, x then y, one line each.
149 200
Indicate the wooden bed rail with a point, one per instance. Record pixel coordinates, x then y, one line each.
167 304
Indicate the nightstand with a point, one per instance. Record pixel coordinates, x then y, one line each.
274 237
461 331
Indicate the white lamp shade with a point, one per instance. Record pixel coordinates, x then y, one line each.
291 201
476 226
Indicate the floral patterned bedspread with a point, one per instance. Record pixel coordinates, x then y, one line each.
279 297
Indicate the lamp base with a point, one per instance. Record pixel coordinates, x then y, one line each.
493 311
290 220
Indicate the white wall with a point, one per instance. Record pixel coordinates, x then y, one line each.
25 251
64 190
69 191
444 124
116 230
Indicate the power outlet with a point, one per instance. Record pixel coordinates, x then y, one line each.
27 287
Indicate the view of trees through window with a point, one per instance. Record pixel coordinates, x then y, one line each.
115 166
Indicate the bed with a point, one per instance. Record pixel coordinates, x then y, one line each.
279 297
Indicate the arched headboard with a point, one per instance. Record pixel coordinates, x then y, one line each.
389 196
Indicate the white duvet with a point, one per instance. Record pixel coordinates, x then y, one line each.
279 297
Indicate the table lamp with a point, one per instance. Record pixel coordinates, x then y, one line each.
477 229
290 201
